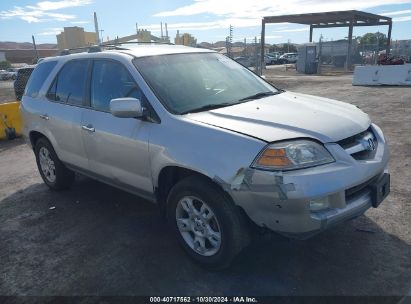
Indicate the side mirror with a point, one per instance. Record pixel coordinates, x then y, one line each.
126 107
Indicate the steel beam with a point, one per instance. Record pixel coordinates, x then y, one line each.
389 39
347 24
311 33
348 61
262 46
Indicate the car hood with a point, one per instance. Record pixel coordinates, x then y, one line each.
289 115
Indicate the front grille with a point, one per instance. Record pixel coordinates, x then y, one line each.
361 146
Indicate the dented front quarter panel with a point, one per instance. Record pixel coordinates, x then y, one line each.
276 200
280 200
209 150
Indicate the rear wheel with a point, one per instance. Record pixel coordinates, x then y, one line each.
208 225
52 170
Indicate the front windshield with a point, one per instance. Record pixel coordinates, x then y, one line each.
187 83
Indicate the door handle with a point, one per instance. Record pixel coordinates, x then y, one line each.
88 128
44 116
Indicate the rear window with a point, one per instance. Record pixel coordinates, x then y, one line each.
70 83
37 78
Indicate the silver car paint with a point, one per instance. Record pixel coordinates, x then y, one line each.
290 115
220 144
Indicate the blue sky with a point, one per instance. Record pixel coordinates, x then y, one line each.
207 20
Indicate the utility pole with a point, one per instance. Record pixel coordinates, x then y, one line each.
229 41
320 46
35 47
96 29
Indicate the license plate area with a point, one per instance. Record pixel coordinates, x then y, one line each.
380 190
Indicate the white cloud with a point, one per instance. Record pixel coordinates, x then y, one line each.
80 22
56 5
41 11
301 29
398 13
50 32
260 8
243 13
203 26
402 19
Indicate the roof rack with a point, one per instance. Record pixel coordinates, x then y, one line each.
89 49
136 42
108 46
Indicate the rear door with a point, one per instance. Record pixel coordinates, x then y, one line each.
66 99
117 148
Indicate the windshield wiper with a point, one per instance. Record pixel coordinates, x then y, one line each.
259 95
226 104
208 107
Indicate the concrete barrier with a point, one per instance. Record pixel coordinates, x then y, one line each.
10 118
382 75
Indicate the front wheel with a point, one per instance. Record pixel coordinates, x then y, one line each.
208 225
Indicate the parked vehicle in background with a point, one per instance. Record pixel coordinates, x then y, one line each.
4 75
288 58
23 75
215 146
269 60
12 72
245 61
9 74
274 56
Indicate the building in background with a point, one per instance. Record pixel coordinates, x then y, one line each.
143 35
74 37
185 39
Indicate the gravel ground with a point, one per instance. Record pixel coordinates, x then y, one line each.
98 240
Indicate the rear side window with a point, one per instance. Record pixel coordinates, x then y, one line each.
37 78
70 83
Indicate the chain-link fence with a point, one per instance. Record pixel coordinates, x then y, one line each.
333 54
248 55
402 49
23 75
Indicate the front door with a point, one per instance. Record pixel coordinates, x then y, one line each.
117 148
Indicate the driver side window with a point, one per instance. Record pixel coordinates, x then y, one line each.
111 80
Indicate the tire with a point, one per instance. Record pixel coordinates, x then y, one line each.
52 170
224 220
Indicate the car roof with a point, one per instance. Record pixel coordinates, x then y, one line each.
142 50
135 50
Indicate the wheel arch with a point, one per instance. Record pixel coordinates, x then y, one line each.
34 136
171 175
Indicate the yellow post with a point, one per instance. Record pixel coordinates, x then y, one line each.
10 117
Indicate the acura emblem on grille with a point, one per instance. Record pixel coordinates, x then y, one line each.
371 144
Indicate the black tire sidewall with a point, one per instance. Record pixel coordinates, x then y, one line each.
63 175
223 209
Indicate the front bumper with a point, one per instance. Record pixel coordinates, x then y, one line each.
280 201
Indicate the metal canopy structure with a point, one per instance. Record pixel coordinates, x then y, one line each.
348 19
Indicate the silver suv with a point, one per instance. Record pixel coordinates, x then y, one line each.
215 146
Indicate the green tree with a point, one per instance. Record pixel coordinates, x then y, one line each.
4 65
373 42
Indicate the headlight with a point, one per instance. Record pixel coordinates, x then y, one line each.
290 155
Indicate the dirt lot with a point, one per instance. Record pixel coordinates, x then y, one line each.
102 241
